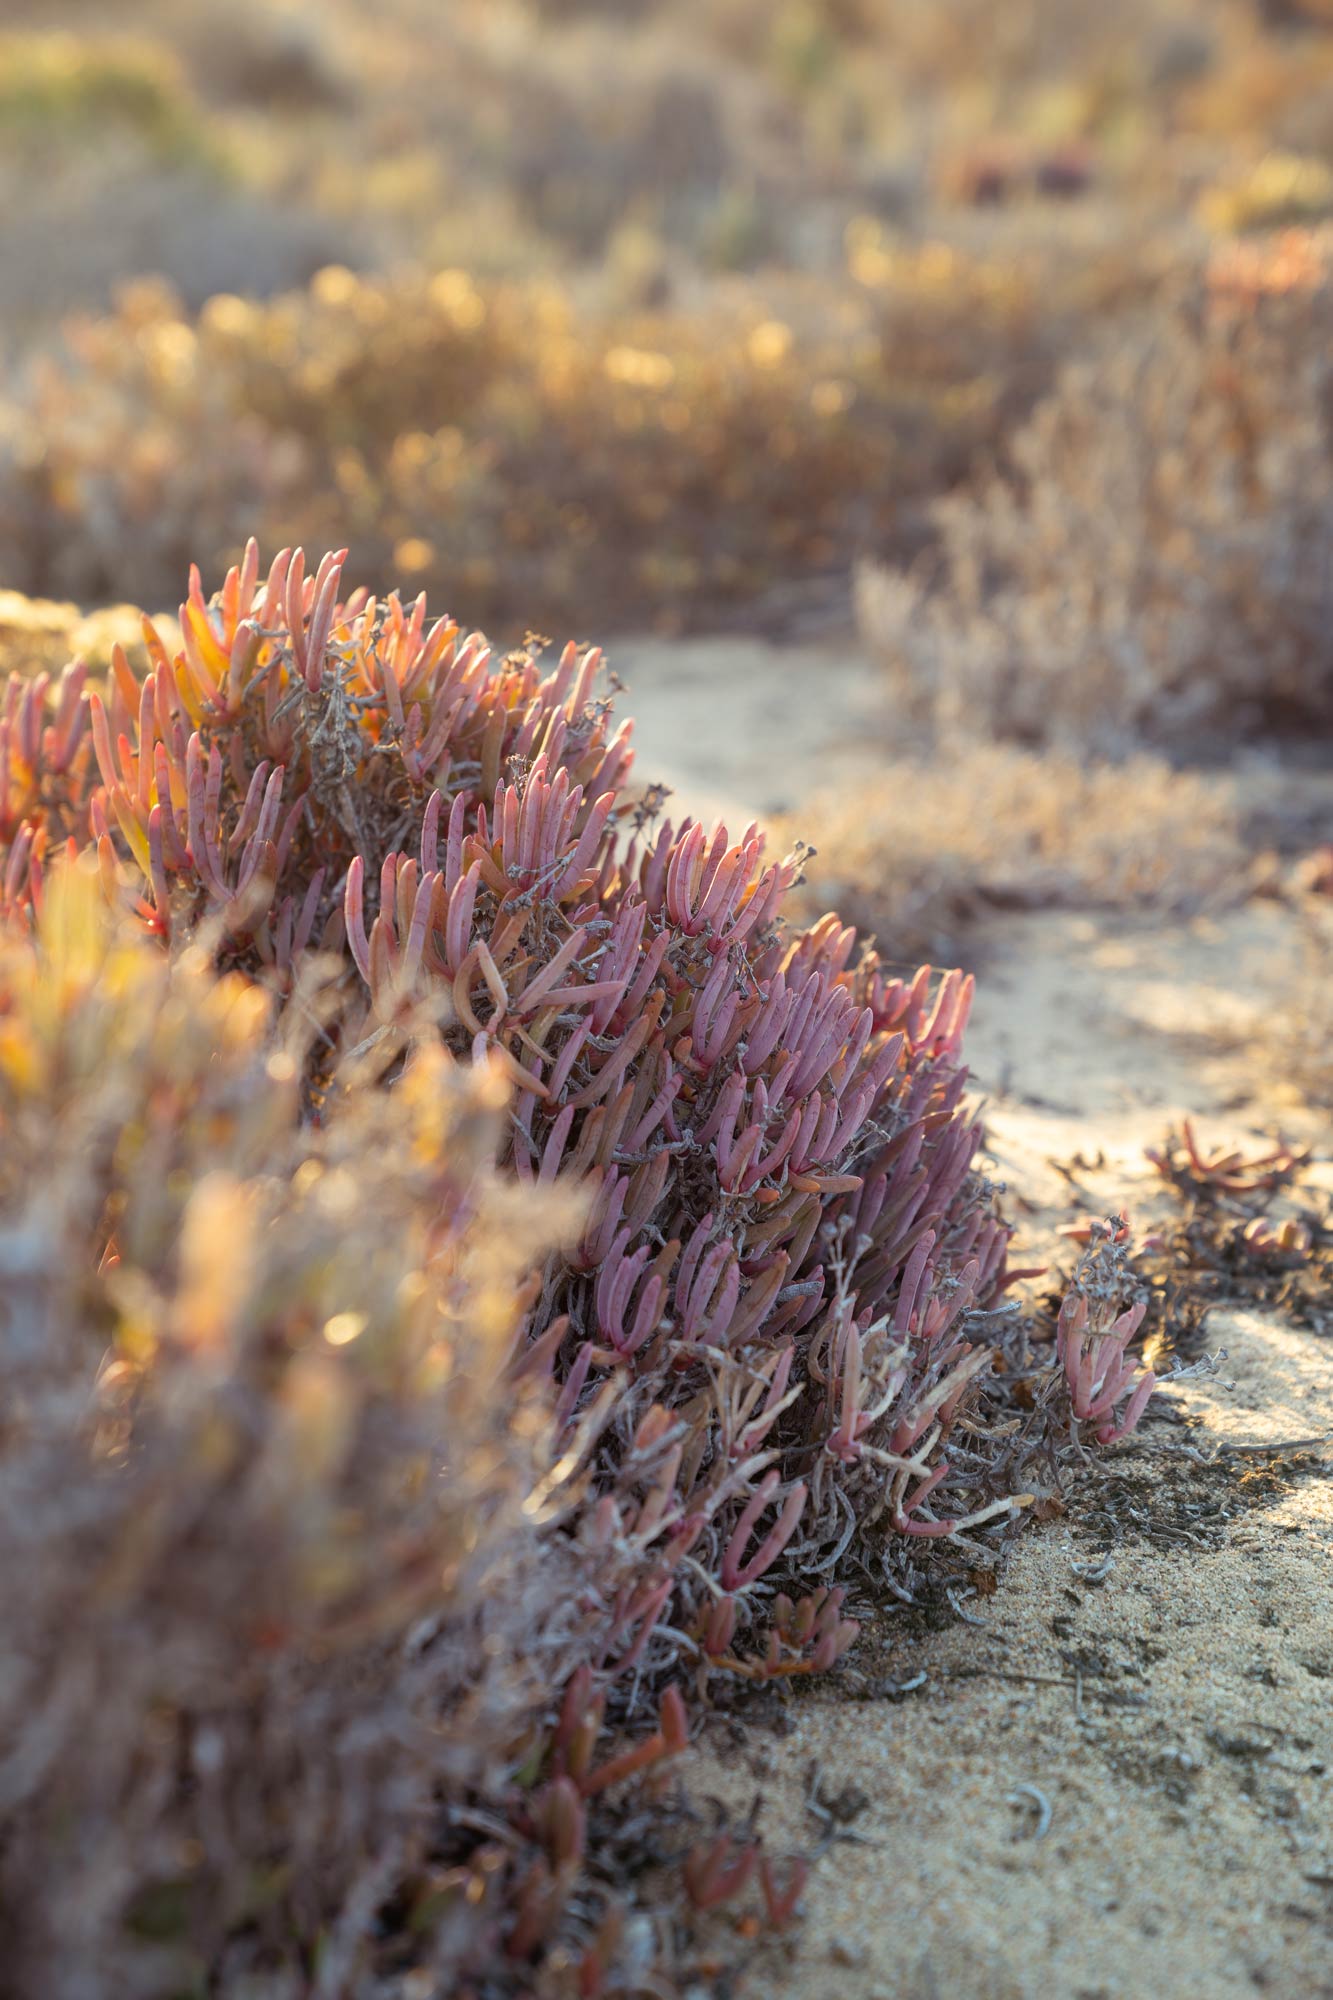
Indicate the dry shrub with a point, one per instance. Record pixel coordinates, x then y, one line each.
280 59
735 131
760 1351
271 1592
1154 562
77 232
496 440
1279 190
36 633
58 90
110 166
935 843
40 635
1298 1033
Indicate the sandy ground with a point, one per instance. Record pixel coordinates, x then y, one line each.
1120 1785
739 729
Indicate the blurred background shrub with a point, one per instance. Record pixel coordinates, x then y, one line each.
600 316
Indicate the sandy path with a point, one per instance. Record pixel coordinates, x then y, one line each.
740 729
1173 1720
1176 1717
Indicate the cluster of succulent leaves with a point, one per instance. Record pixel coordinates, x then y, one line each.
762 1322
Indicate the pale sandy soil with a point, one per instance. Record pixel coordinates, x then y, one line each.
1173 1722
740 729
1178 1721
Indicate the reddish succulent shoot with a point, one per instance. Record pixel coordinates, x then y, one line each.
669 1738
1285 1244
717 1871
805 1638
1098 1374
1225 1171
580 1727
736 1576
781 1899
1105 1388
561 1822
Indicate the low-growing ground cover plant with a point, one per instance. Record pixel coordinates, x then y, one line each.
377 876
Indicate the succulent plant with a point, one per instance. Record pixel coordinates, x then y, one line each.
783 1301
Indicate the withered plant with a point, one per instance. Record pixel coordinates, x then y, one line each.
934 844
1151 564
262 1480
509 443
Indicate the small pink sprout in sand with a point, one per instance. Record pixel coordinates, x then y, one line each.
1092 1339
1180 1158
1097 1371
717 1870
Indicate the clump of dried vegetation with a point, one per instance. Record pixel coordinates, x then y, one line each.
648 430
110 164
261 1481
502 441
731 132
935 844
54 88
1152 562
487 1283
1251 1229
1297 1042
